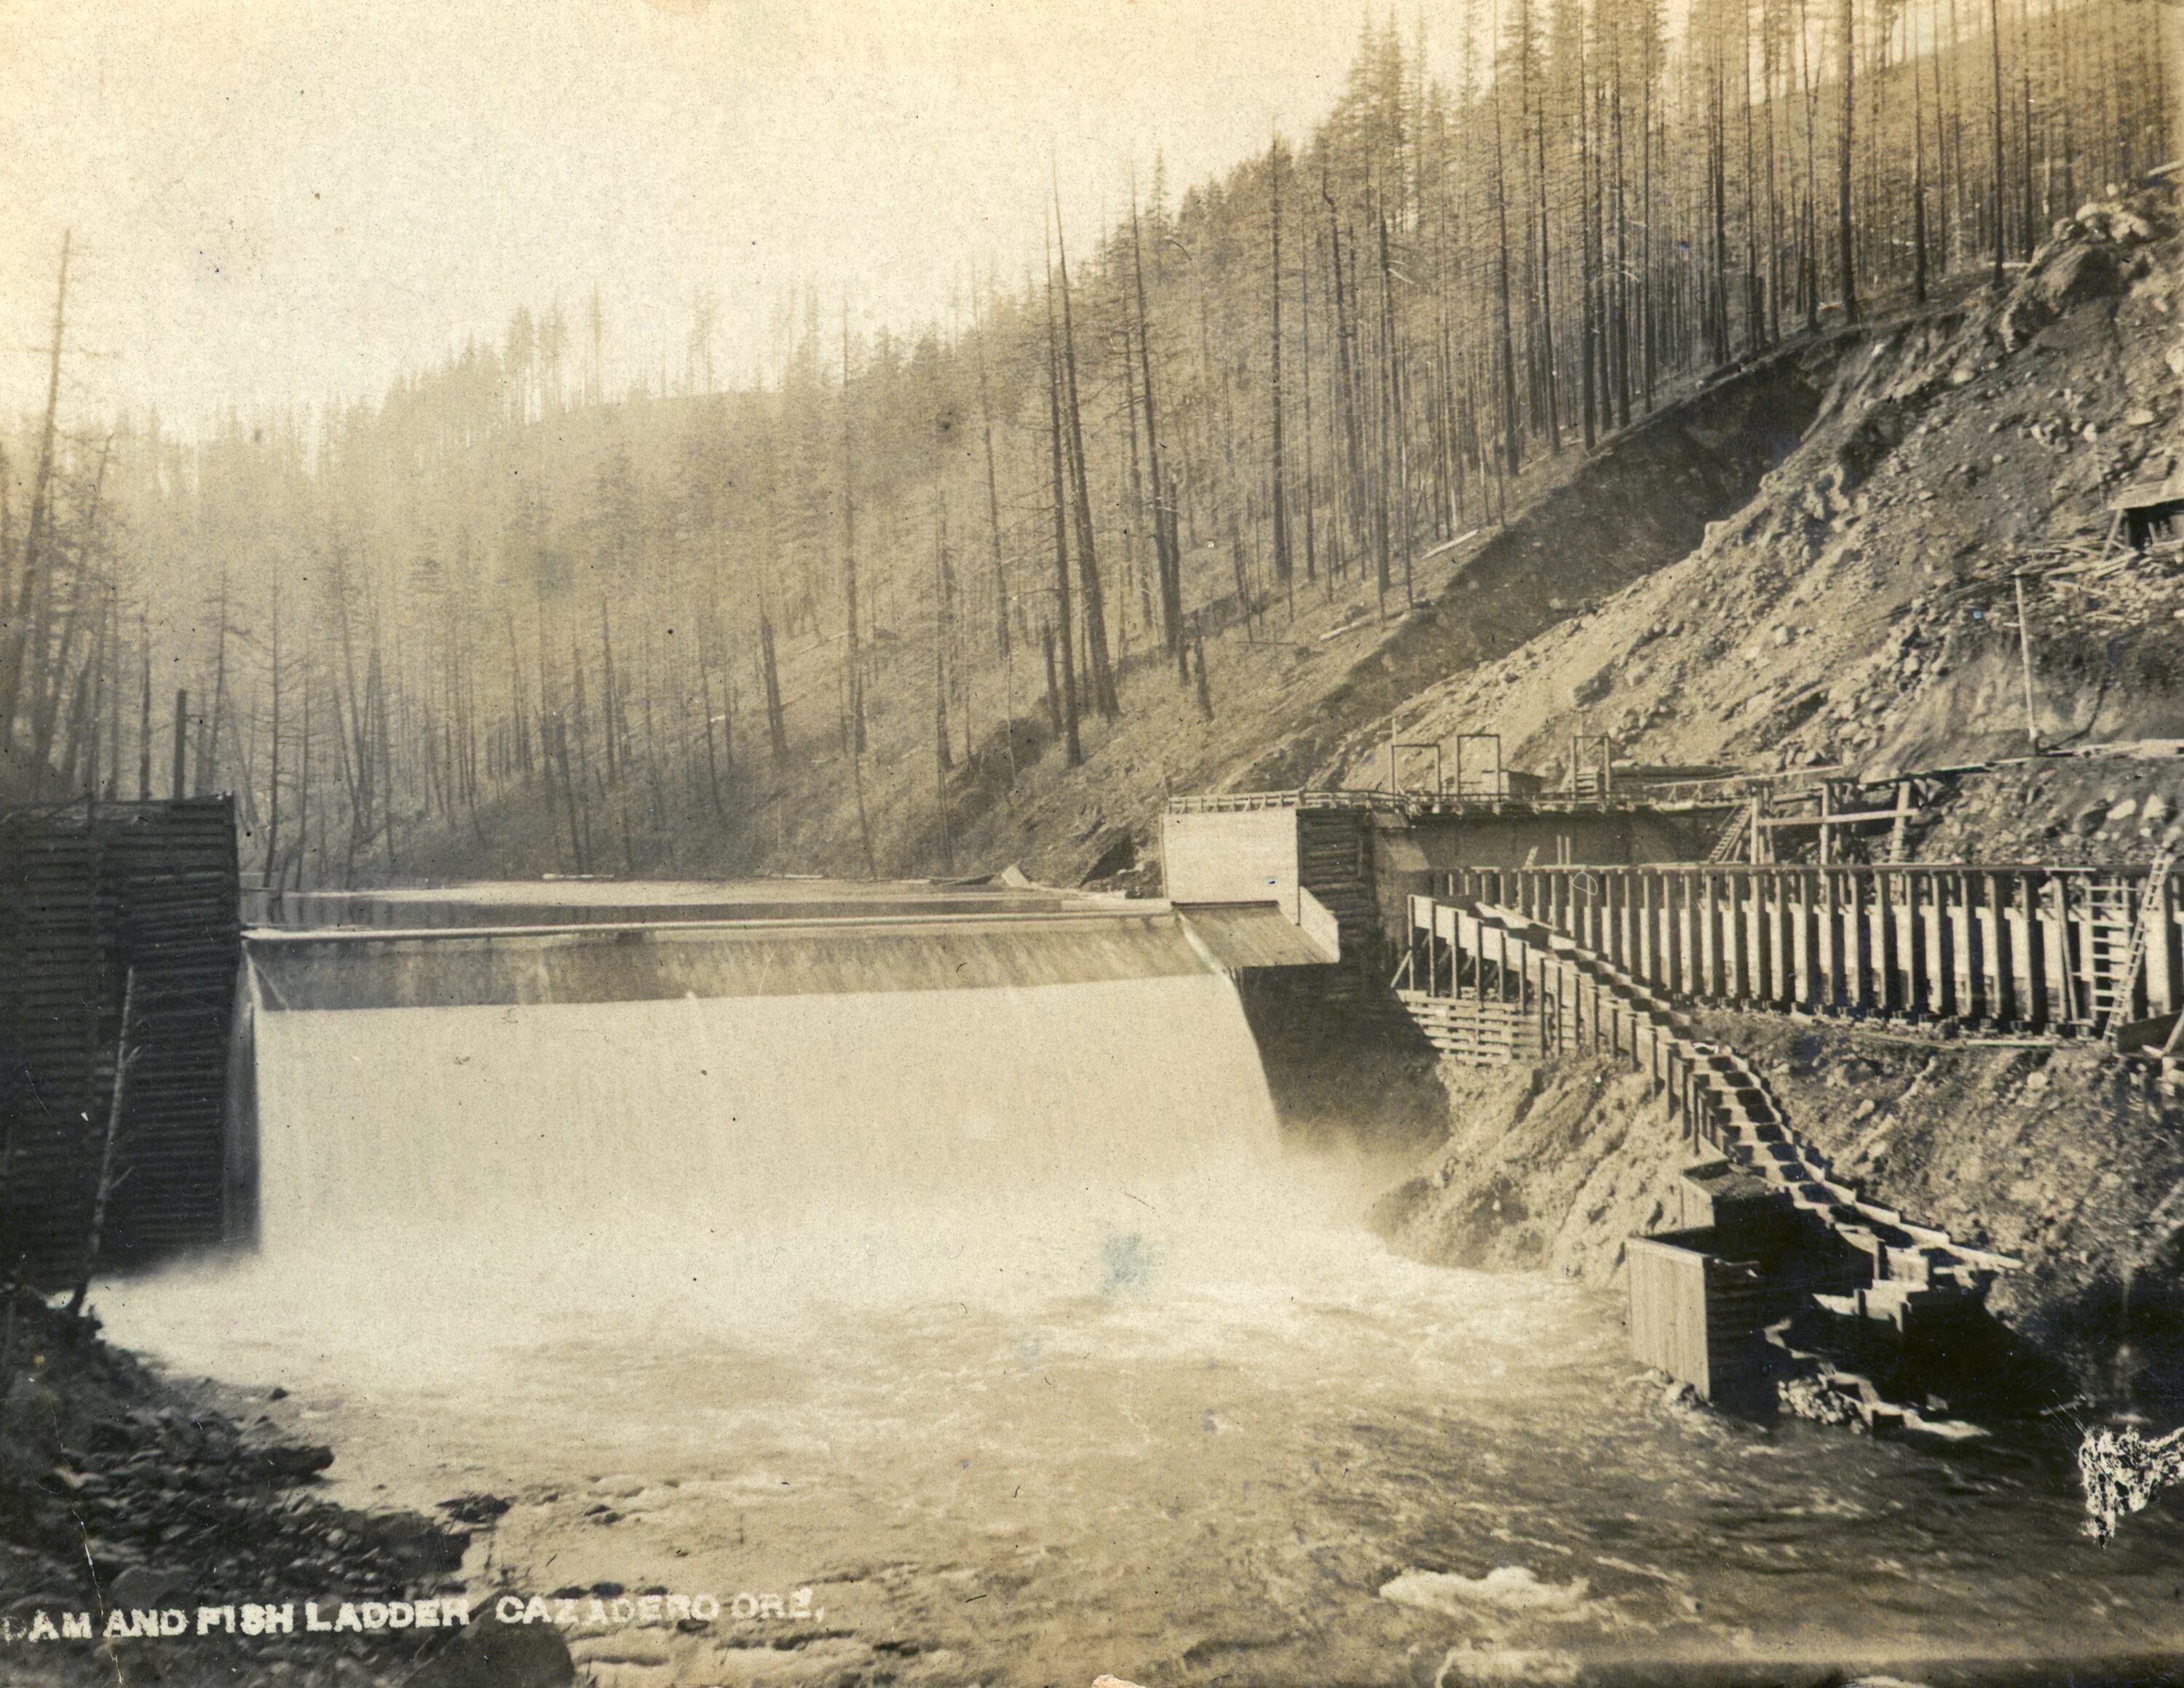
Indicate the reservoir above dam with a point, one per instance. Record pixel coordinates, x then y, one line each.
956 1264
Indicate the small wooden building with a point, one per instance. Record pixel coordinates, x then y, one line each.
2149 514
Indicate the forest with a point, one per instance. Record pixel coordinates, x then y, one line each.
532 611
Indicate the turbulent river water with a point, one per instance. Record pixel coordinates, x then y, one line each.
1041 1361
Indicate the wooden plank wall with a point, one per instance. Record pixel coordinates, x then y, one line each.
1697 1317
2015 946
1668 1309
87 893
1477 1033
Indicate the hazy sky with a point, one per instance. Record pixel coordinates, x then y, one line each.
286 199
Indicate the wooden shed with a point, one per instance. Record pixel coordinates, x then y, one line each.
2149 514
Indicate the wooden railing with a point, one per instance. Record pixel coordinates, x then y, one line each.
2025 946
1488 988
1680 799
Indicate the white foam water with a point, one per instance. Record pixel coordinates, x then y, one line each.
436 1181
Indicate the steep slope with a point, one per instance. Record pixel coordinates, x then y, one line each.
1807 561
1286 687
1859 608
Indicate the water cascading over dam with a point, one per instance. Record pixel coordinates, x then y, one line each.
827 1103
949 1265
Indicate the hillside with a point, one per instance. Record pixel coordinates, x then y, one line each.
1283 689
1859 609
1807 562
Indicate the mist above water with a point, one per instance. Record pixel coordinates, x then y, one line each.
437 1183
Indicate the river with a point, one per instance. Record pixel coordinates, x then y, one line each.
991 1333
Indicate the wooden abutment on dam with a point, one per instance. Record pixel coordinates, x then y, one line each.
119 924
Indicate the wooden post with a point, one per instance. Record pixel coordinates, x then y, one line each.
1856 993
1687 971
2025 661
1964 929
1887 951
2032 953
1731 916
1940 963
1709 937
124 1058
1795 893
2160 953
1828 915
182 743
1919 995
2066 951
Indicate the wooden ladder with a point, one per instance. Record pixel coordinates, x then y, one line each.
2110 997
1729 843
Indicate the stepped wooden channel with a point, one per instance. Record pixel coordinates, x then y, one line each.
1769 1229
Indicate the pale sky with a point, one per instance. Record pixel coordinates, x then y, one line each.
282 200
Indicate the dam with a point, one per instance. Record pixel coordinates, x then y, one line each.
943 1258
726 1061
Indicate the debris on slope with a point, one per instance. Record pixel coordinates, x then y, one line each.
1860 608
2066 810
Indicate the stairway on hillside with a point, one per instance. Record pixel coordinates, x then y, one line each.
1913 1273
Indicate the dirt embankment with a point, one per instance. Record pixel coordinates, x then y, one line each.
1548 1169
1859 608
2057 1157
123 1495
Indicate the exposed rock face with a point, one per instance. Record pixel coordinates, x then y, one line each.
1860 609
1552 1171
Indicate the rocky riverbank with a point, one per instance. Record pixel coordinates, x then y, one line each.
147 1534
2055 1155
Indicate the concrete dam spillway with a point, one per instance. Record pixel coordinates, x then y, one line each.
942 1097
